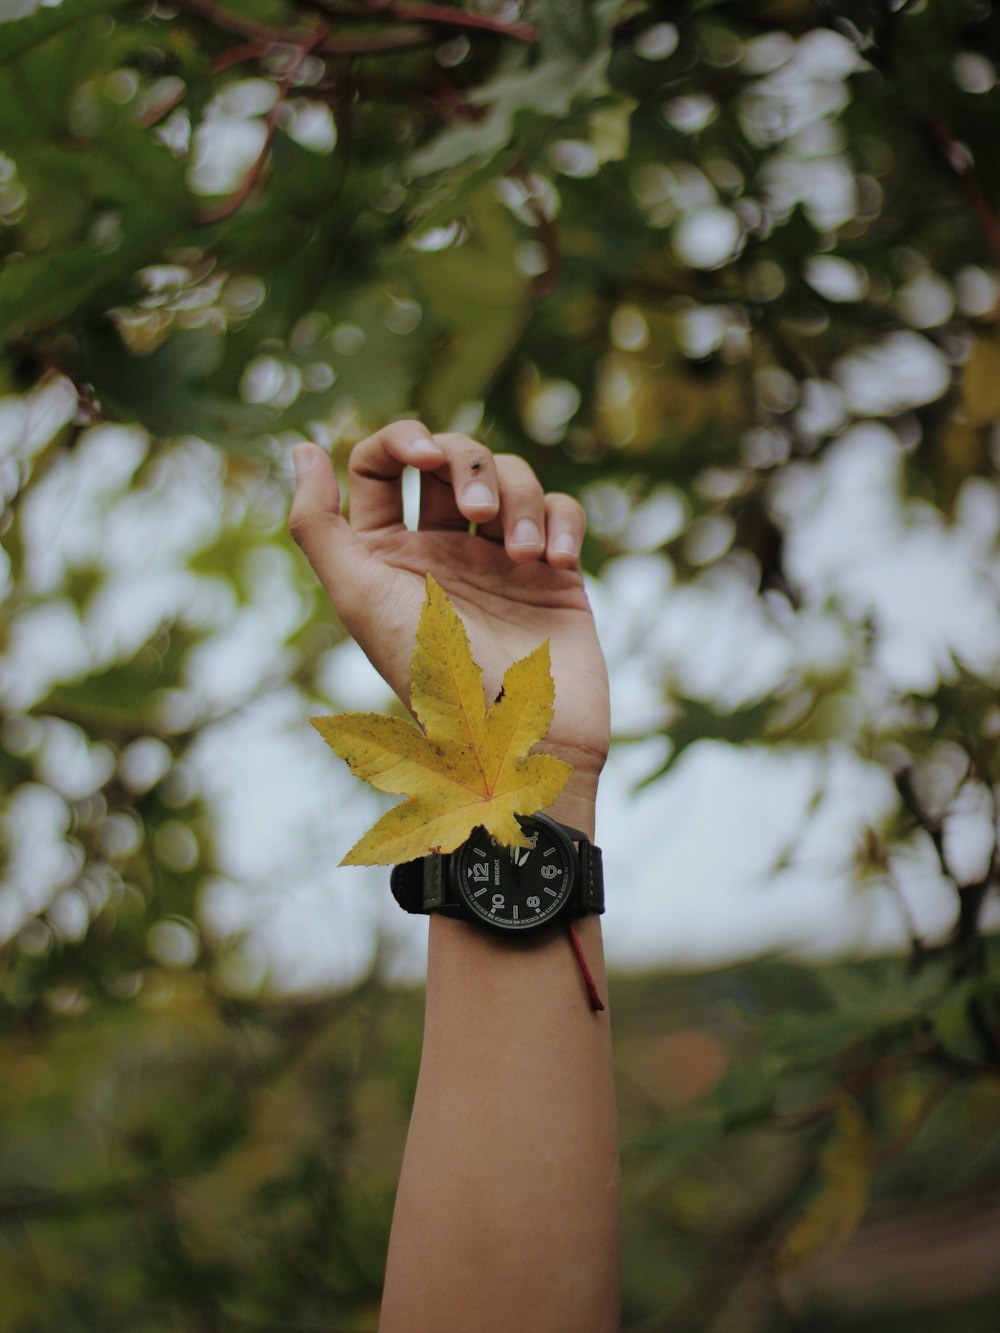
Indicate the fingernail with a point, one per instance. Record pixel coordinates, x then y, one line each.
564 544
478 496
302 460
424 448
525 533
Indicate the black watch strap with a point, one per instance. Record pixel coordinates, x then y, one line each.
419 886
591 879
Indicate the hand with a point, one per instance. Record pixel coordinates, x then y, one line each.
515 582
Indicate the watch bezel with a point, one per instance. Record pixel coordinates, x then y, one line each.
530 926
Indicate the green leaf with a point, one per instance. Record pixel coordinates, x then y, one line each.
700 722
669 1149
570 28
120 701
170 390
846 1165
609 129
552 89
477 301
21 35
981 379
128 203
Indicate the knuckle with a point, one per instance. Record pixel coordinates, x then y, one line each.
515 464
518 476
401 432
394 436
300 525
568 506
453 438
361 452
466 457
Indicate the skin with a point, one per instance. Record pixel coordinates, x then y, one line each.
506 1215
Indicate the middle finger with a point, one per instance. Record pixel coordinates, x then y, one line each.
521 521
464 489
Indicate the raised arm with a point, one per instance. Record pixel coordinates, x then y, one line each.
506 1215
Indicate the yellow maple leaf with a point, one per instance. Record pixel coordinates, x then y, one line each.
466 765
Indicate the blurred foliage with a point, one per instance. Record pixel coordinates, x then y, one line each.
683 258
179 1162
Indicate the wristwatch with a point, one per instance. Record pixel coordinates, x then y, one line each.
513 891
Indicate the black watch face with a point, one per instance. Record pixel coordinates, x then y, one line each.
515 888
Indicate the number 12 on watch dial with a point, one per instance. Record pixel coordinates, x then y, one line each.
518 888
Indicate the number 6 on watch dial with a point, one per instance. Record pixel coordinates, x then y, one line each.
530 890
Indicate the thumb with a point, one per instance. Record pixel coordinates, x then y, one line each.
337 555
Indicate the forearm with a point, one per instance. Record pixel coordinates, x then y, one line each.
507 1210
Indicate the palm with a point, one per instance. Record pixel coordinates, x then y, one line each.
375 569
508 610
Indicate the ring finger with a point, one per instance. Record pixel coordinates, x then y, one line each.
520 524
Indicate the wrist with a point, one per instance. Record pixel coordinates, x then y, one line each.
576 803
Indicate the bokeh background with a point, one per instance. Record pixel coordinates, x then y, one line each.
729 272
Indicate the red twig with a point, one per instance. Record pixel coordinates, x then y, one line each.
445 16
959 160
156 113
259 39
235 201
255 33
237 54
417 22
377 42
457 18
262 38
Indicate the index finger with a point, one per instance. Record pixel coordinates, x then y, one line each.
375 470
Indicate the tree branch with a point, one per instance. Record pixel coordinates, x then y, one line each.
542 284
415 26
260 34
235 201
859 1081
932 827
959 160
437 15
897 1146
262 38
